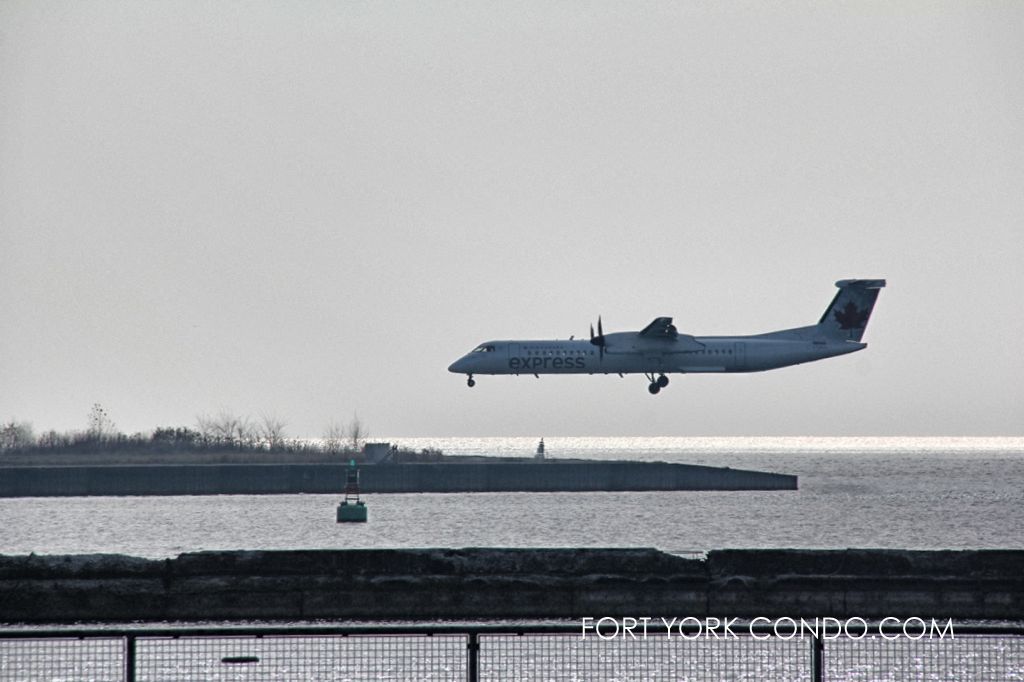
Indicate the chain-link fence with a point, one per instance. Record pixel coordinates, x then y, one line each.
505 653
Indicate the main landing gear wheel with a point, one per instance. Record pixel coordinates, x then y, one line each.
470 382
657 382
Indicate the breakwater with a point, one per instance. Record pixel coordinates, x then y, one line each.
435 477
432 584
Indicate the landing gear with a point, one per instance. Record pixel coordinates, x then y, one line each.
657 383
469 381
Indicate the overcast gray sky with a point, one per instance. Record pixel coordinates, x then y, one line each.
311 209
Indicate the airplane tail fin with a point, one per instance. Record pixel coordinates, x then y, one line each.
847 315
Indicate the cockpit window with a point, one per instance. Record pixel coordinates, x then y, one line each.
484 349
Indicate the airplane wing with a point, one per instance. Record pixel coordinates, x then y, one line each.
661 328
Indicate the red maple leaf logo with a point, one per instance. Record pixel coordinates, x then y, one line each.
851 317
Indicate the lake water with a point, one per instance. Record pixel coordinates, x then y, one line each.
917 493
914 493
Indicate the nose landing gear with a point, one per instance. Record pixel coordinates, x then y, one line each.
469 381
657 383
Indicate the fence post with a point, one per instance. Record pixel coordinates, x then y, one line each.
473 646
129 658
817 659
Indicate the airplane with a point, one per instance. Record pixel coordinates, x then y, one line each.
659 349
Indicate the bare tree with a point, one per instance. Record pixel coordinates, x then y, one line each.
52 440
101 427
334 438
357 433
271 431
227 429
245 432
16 435
345 439
204 425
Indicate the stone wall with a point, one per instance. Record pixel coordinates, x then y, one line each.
434 584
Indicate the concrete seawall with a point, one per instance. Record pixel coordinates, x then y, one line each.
435 584
498 476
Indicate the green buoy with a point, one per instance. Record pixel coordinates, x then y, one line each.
351 512
351 508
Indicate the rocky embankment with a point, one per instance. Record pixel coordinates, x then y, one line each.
511 583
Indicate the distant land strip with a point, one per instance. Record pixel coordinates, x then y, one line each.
449 476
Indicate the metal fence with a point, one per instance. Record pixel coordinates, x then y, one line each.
505 653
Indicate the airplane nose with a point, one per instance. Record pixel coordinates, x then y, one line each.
456 367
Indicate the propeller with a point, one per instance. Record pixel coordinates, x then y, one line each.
599 339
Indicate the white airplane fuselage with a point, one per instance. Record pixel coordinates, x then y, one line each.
659 349
701 354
